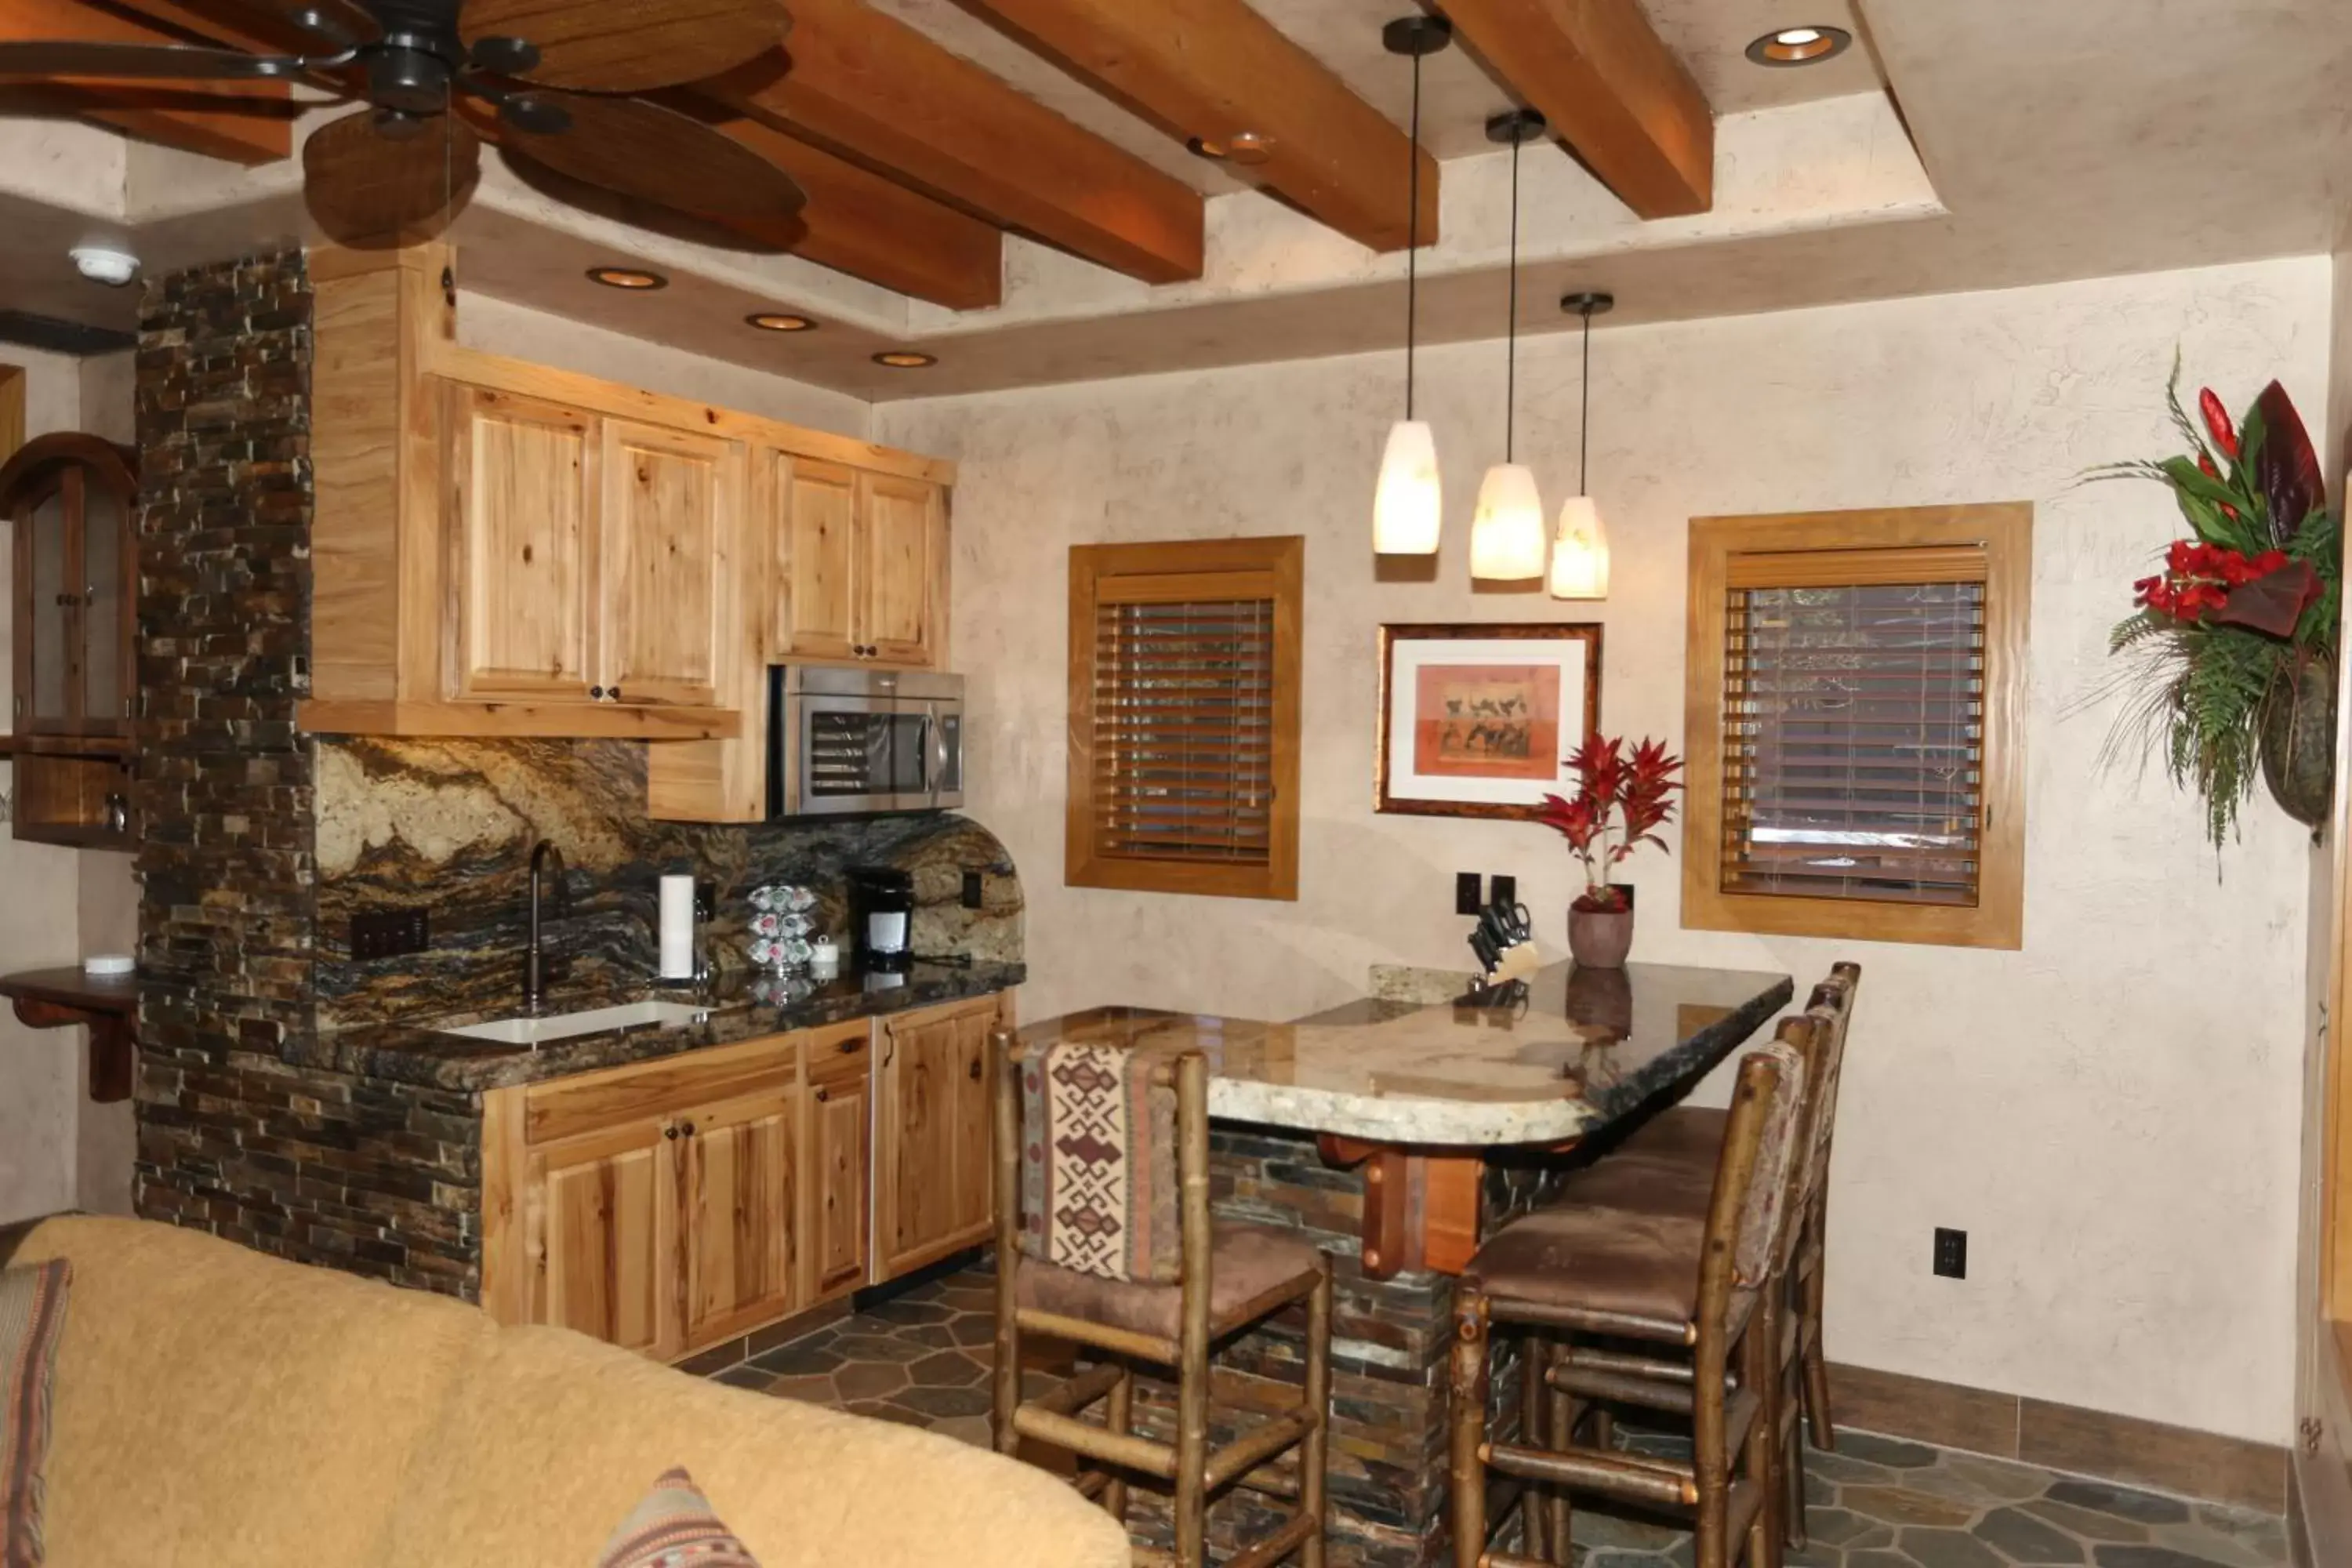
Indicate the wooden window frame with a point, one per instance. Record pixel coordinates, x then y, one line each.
2005 533
1280 564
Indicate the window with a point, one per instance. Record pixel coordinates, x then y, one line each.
1185 717
1856 724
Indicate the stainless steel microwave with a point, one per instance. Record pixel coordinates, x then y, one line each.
841 741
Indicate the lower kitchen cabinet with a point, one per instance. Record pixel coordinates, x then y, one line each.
933 1168
601 1217
668 1205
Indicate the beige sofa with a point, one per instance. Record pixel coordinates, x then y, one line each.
215 1406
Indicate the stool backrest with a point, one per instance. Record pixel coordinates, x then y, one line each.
1832 1002
1100 1146
1747 1216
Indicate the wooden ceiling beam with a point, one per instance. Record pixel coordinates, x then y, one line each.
1215 68
245 122
1609 86
869 88
859 222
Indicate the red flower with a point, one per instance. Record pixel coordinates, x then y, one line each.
2218 423
2198 578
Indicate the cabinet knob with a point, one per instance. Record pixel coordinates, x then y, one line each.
614 695
670 1133
687 1128
823 1095
849 1046
596 693
974 1073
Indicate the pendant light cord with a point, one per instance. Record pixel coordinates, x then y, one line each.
1584 410
1412 241
1511 362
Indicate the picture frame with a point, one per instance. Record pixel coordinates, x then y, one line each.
1476 719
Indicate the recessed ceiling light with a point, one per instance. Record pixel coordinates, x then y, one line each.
627 277
905 359
778 322
1249 147
1800 45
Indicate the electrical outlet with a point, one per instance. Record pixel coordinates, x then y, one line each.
1466 898
975 890
1504 891
389 934
1952 1252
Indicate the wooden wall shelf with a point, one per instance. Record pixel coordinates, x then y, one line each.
109 1004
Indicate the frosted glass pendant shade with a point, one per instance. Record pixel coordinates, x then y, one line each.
1506 534
1579 552
1407 509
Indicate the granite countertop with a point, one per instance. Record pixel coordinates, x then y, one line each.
739 1009
1572 1052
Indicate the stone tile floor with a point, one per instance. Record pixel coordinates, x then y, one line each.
921 1358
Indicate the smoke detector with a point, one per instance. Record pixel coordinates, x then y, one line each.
104 264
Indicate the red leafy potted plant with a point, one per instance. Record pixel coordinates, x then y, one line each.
1620 804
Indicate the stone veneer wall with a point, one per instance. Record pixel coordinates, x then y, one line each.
307 1165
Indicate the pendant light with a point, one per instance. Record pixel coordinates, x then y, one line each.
1408 509
1580 550
1507 532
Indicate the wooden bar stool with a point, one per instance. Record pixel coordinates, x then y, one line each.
1667 1166
1104 1238
1696 1285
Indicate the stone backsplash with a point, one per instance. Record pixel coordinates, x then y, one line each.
447 827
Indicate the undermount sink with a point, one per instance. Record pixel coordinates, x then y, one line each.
537 1029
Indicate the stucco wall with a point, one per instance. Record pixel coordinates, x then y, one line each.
2111 1112
40 1070
500 326
2337 440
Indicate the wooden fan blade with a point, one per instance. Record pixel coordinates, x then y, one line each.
372 192
598 46
769 239
342 23
658 155
157 62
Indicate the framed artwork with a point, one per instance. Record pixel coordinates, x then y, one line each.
1475 719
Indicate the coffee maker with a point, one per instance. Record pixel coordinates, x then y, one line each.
881 918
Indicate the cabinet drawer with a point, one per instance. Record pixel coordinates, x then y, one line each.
840 1050
563 1106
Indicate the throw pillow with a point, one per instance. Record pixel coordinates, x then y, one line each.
32 1320
673 1527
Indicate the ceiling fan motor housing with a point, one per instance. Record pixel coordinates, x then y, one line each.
408 72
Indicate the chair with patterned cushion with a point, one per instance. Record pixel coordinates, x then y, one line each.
1666 1310
1105 1240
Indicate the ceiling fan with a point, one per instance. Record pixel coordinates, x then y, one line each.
551 80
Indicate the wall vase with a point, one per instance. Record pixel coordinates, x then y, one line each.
2297 732
1599 939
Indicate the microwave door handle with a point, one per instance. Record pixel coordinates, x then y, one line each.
938 737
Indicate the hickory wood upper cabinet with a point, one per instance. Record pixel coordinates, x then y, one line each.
860 566
594 557
502 548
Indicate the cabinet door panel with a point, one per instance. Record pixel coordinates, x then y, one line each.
672 504
902 527
602 1228
813 608
739 1190
524 521
110 581
45 679
839 1129
934 1122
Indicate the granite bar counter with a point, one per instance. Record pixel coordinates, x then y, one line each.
1394 1132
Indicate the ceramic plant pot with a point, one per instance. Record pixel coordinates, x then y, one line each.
2298 739
1599 939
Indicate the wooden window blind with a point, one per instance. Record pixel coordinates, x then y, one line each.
1856 768
1185 717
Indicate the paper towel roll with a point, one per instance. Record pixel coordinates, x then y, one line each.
678 927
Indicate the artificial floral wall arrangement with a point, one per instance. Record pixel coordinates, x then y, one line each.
2232 652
